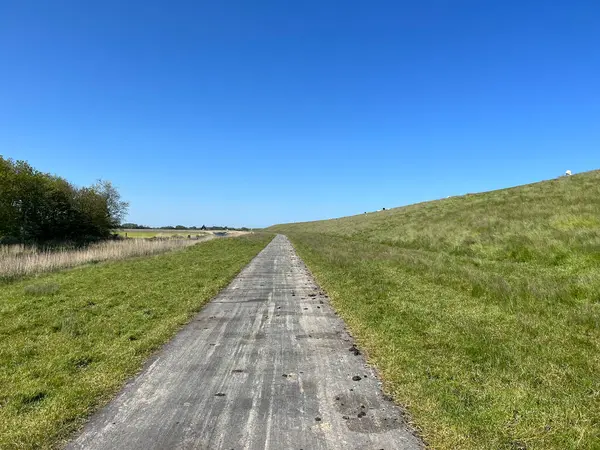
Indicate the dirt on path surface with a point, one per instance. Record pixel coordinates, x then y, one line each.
266 365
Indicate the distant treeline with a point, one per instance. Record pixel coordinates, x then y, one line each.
135 226
40 208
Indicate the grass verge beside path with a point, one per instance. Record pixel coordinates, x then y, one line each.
484 354
69 340
482 312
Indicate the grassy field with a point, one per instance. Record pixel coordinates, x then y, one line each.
176 234
151 233
69 340
481 312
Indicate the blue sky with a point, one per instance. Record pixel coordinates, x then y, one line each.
260 112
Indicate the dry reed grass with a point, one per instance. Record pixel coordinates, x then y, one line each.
18 260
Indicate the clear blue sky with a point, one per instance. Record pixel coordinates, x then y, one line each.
261 112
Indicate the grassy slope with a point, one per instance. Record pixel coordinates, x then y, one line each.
69 340
482 312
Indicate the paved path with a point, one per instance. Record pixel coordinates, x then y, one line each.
265 365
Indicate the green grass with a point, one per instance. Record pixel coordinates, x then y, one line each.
69 340
481 312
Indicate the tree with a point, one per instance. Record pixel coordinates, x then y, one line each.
116 207
8 199
37 207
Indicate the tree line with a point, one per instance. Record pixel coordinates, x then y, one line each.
40 208
135 226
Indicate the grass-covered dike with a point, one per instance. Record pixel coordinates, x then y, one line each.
69 340
482 312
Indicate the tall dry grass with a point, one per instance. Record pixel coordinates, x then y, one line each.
18 260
